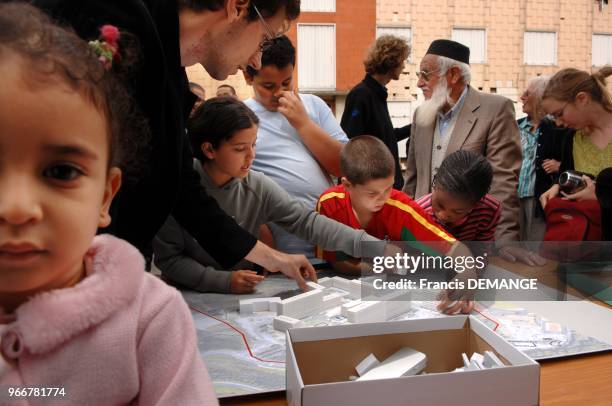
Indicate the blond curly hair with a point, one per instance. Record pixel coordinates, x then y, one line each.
387 53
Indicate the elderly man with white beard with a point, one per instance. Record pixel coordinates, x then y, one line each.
456 116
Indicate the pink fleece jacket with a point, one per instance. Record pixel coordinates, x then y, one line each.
120 336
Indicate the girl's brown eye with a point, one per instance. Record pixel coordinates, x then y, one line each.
63 172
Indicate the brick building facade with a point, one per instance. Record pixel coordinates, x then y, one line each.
511 42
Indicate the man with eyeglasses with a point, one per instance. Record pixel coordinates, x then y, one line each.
222 35
456 116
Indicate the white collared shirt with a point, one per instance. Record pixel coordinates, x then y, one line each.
445 124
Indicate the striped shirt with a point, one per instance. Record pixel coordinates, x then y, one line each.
529 145
400 219
478 225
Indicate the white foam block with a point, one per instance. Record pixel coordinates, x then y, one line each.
275 306
474 366
366 364
395 308
366 312
313 285
477 359
331 300
355 288
348 305
407 361
283 323
327 282
341 283
302 305
259 304
490 360
466 360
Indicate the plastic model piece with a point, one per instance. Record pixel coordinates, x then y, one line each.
313 286
302 305
407 361
283 323
327 282
260 304
368 363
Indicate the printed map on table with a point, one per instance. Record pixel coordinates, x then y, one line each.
245 355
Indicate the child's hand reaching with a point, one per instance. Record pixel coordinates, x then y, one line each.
450 306
244 281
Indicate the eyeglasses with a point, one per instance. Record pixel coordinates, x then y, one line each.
425 75
558 114
270 35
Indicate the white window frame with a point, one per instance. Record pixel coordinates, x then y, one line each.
484 45
608 61
556 44
318 6
335 59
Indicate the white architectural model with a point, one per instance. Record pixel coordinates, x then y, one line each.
260 304
368 363
478 361
327 294
407 361
283 323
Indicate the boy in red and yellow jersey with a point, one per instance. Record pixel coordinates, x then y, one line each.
366 200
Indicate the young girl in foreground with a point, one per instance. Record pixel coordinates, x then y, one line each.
77 311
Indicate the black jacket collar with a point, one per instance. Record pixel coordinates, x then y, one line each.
378 89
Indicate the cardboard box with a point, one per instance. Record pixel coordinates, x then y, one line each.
321 359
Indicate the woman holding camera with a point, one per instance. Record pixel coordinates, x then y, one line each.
580 100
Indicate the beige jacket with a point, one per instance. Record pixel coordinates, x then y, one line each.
486 124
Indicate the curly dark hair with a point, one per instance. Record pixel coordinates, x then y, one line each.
267 8
50 52
217 120
465 174
280 54
387 53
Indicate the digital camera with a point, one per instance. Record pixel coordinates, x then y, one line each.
571 182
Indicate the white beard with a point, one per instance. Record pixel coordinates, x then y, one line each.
430 108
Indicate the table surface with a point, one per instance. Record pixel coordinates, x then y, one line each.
578 380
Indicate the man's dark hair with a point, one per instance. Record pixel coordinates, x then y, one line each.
366 158
230 87
267 8
280 53
465 174
217 120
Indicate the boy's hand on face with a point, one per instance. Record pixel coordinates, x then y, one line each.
291 106
244 281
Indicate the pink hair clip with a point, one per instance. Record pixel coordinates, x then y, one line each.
107 47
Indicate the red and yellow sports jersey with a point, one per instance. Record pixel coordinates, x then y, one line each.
400 219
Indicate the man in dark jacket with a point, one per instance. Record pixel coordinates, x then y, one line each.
222 35
366 112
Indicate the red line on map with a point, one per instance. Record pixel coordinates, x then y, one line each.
244 338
